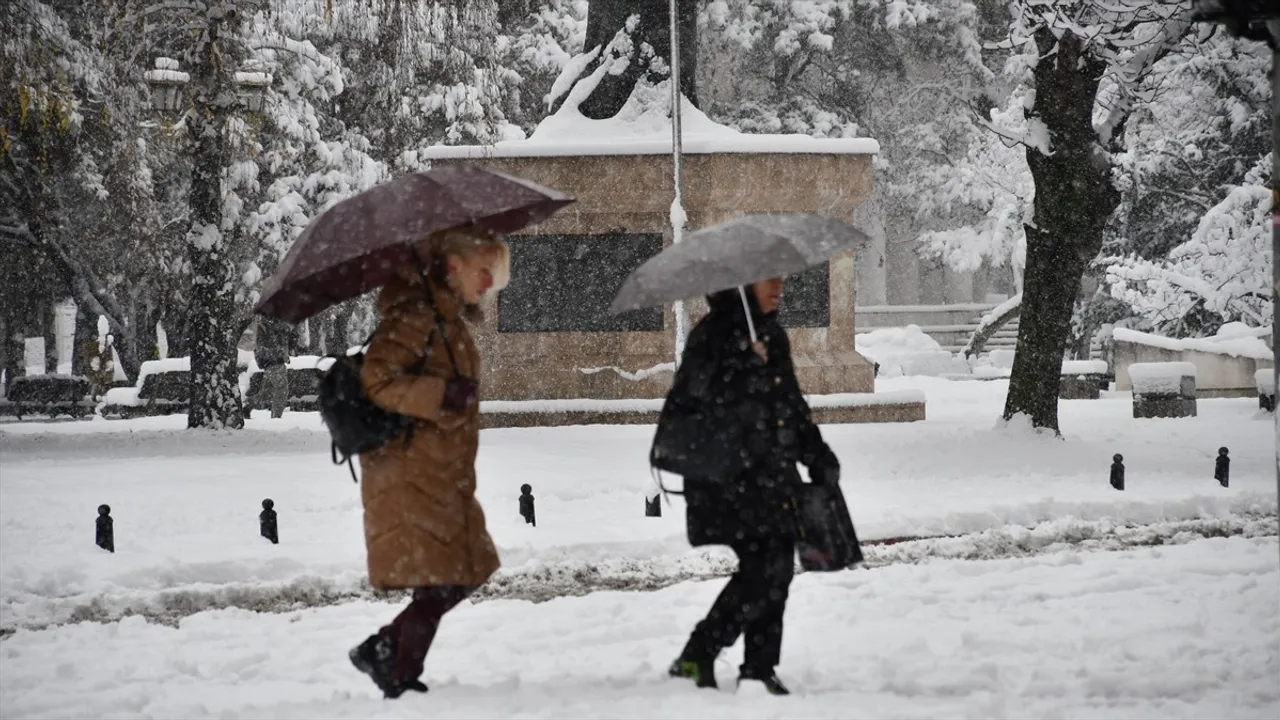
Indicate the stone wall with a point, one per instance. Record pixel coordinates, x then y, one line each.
632 194
1217 374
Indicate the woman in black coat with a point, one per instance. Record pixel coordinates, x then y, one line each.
747 394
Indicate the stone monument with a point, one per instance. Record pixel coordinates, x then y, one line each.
549 337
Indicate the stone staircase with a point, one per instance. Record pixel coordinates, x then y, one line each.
950 325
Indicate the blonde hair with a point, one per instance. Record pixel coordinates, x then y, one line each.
469 245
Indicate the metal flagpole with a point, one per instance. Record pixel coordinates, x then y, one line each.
677 150
1273 26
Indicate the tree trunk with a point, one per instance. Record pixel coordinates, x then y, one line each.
10 351
342 329
606 17
1074 200
84 347
148 337
215 392
177 331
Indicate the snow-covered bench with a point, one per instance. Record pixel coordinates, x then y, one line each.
1265 379
1083 379
304 387
1163 389
50 395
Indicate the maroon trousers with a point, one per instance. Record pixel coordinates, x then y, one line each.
415 627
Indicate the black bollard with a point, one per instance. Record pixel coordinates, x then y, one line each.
267 522
106 531
1117 472
526 505
1222 468
653 508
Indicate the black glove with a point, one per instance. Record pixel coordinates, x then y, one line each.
825 470
459 394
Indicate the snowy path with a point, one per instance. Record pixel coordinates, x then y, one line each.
1190 631
186 503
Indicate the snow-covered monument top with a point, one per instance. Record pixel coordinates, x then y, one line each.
616 98
647 131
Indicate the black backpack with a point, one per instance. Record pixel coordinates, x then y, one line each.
355 424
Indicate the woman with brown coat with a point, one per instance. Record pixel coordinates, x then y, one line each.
424 528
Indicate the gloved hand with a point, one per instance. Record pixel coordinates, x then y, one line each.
825 470
459 394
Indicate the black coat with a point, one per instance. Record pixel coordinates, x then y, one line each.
720 373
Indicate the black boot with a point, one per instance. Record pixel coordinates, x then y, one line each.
769 680
396 689
701 671
376 657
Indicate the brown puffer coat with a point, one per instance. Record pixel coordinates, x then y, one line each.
422 523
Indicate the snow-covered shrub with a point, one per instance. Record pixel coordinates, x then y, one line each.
907 351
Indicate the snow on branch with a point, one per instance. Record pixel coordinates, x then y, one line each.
991 323
1128 36
1224 269
1130 72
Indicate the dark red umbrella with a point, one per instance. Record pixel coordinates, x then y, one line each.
356 245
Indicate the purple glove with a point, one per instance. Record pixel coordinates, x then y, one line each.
459 394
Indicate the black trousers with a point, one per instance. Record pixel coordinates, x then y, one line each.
751 604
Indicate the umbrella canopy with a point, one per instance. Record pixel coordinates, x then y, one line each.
356 245
735 253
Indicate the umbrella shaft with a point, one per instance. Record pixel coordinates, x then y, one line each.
746 309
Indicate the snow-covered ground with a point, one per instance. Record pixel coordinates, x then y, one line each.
1047 628
186 504
1190 631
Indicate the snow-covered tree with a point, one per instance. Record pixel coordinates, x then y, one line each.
536 45
1090 65
1222 274
79 173
1197 155
256 176
419 73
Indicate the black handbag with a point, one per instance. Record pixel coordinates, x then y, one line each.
827 539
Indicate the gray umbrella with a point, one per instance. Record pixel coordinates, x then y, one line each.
736 253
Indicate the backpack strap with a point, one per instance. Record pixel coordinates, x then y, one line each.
333 454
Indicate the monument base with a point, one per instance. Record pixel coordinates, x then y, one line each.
844 408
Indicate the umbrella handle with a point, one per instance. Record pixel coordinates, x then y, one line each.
746 309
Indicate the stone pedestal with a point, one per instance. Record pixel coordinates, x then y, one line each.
1163 406
625 197
1080 387
1163 390
1082 379
1265 379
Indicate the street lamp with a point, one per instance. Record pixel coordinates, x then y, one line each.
167 81
252 83
216 98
